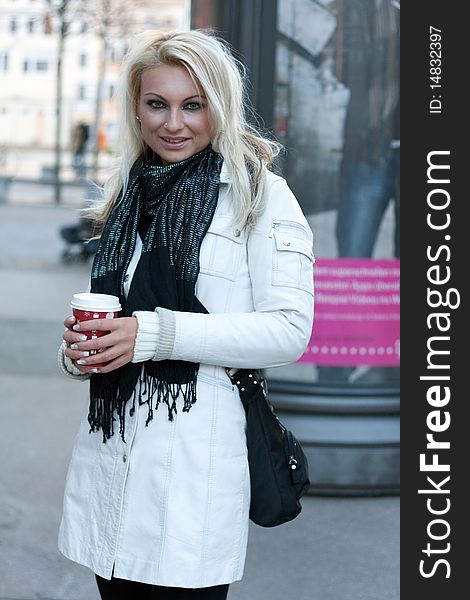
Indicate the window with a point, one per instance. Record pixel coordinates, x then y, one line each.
82 60
13 25
37 66
31 25
81 92
111 91
3 62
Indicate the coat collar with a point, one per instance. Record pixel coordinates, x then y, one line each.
225 173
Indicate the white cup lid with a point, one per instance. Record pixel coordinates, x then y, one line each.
98 302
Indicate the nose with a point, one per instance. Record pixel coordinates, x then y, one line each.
175 121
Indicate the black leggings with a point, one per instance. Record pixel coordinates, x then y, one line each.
122 589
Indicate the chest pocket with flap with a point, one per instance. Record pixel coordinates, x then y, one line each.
293 256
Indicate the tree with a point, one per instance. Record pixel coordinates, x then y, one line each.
58 18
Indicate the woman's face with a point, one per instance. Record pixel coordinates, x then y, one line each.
173 112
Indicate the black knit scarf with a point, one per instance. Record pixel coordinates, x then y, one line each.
177 203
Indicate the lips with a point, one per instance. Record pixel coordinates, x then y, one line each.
174 142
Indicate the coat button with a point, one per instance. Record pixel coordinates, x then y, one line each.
237 233
124 458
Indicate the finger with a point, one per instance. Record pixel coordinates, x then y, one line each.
98 343
96 325
69 322
116 357
106 368
70 337
76 355
99 357
113 344
70 354
89 370
106 354
80 368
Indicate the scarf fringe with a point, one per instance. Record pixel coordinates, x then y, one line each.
149 390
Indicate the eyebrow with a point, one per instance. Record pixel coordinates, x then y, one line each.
185 100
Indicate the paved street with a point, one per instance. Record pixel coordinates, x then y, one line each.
337 549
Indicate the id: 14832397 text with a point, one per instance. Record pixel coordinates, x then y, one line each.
435 69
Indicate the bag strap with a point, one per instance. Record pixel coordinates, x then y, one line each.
245 379
248 381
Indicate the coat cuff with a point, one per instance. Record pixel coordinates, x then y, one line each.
67 367
146 340
166 340
155 335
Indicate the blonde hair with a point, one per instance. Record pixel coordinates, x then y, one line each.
208 59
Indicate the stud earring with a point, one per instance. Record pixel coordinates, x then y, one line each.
138 118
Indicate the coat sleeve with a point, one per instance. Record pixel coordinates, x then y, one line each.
277 331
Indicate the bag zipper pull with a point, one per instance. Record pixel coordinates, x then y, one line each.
292 463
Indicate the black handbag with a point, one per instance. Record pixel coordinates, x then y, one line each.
278 466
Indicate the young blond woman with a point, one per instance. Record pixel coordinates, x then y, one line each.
211 258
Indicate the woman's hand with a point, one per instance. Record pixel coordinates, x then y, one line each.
118 344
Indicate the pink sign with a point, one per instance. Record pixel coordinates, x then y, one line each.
357 313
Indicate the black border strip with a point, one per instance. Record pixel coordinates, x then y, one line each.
422 132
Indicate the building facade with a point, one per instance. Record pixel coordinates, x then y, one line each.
29 41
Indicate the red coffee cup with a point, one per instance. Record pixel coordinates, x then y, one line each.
87 306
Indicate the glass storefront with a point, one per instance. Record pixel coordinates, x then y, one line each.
335 108
324 77
336 111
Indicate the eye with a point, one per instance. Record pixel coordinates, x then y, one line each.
156 104
193 106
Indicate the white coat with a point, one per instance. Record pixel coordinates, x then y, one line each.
170 506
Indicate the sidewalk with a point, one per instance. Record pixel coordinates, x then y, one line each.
337 549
